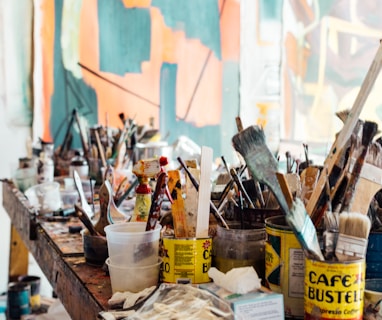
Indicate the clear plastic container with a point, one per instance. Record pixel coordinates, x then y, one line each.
235 248
129 244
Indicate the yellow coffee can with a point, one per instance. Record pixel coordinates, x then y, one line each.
186 260
334 290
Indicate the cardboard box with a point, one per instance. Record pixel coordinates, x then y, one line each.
258 305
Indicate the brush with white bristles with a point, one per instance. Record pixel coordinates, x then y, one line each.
354 229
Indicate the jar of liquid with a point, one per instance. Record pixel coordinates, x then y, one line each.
79 164
236 247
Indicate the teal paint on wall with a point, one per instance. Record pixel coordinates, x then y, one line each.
69 93
199 19
203 136
124 37
271 9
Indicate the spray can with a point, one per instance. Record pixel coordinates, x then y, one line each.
144 170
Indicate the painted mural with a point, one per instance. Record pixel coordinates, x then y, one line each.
174 61
328 48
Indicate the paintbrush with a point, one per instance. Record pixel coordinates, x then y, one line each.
250 143
156 201
354 229
195 183
80 213
240 186
300 222
369 129
337 148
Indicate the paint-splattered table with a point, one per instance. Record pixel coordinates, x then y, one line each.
83 290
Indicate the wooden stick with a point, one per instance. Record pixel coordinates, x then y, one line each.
344 135
101 150
177 207
204 193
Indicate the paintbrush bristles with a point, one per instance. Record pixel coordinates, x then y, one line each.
246 139
354 224
262 164
369 130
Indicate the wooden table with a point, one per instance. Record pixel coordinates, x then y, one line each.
83 289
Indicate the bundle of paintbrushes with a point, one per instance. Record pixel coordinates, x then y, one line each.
251 144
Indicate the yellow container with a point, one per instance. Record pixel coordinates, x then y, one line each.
334 290
285 265
186 260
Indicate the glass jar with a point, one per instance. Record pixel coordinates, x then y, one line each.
79 164
236 247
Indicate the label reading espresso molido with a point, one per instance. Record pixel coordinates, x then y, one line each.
334 290
186 260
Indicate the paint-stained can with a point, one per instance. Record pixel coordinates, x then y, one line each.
18 296
334 290
285 265
186 260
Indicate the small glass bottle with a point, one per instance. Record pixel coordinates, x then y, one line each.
45 163
79 164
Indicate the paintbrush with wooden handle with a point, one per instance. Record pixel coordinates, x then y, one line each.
250 143
369 129
337 148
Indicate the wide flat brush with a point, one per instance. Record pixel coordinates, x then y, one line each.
354 229
250 143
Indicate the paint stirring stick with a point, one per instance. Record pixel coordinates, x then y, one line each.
204 194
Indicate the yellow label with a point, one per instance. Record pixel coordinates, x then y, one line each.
186 260
334 290
284 268
141 208
35 301
272 267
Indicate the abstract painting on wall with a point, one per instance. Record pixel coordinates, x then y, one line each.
175 62
328 48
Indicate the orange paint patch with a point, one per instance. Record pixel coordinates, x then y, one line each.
137 3
230 31
47 33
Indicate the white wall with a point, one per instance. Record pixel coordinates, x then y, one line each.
15 107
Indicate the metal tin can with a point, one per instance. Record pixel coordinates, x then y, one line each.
186 260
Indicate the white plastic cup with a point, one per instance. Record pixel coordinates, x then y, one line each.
133 278
130 245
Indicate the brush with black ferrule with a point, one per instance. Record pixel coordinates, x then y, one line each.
228 188
240 186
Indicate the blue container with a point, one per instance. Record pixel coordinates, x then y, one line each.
374 256
18 300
